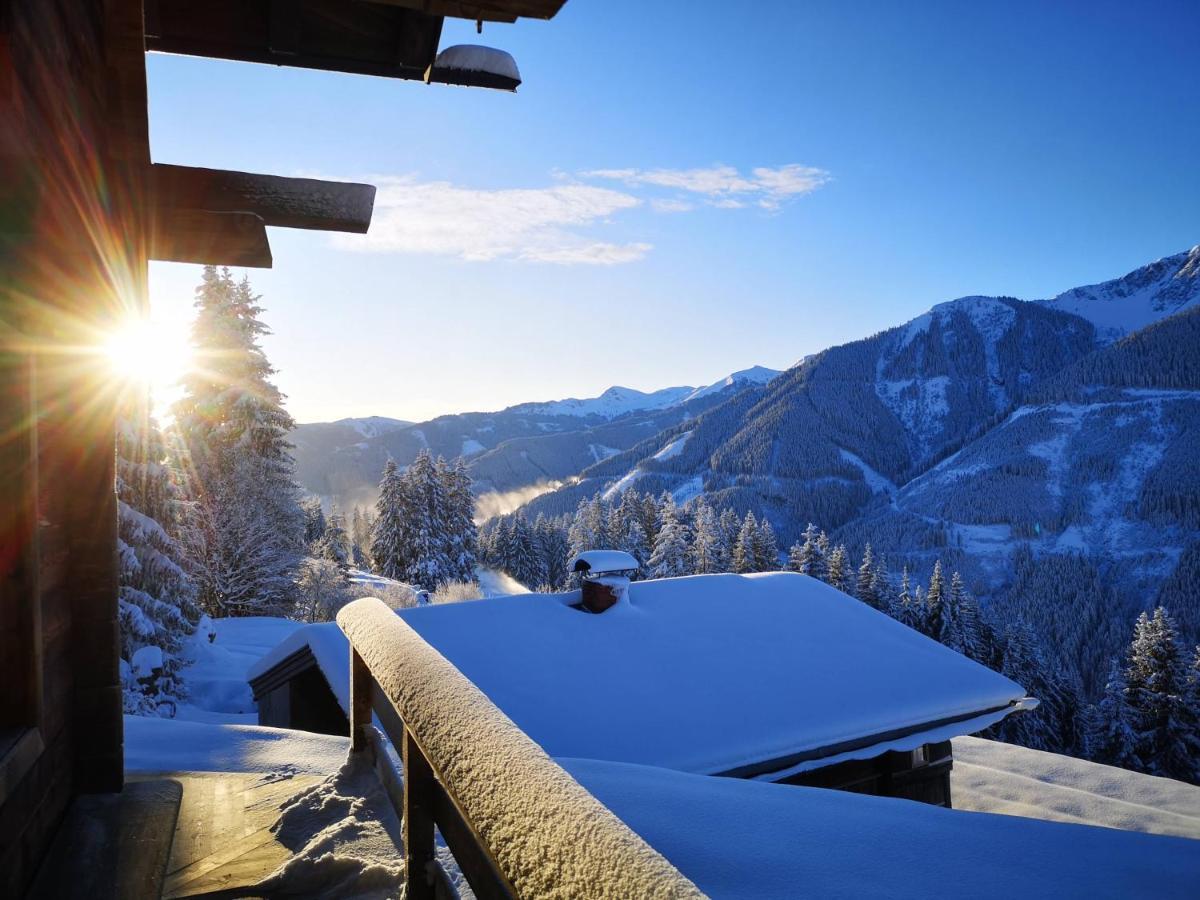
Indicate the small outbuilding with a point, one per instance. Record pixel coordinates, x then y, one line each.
775 677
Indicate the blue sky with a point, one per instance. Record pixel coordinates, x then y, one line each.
679 190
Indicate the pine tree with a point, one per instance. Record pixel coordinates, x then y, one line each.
1110 738
745 558
334 544
1157 688
766 549
360 539
670 556
246 531
730 527
835 574
314 521
461 533
636 545
936 624
867 585
156 600
709 553
809 560
388 539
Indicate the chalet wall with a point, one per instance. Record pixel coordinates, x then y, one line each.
71 263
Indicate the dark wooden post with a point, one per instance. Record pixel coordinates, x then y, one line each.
360 702
419 787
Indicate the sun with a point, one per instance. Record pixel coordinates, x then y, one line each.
151 352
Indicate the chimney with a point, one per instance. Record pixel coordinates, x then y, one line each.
604 578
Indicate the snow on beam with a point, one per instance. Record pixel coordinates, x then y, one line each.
210 238
548 835
279 201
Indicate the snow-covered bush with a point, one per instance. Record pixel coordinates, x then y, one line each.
456 592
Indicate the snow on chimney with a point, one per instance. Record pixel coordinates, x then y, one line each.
604 577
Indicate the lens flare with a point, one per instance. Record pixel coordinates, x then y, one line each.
151 353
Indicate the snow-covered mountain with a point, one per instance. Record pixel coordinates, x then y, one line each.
616 401
753 375
1124 305
514 449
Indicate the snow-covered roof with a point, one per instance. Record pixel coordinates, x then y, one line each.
740 674
595 562
736 838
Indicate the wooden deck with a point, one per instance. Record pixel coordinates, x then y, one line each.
170 835
223 845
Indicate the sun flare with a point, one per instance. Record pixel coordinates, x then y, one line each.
155 353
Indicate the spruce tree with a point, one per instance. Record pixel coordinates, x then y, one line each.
1110 738
388 544
866 586
670 556
636 545
836 575
745 559
766 555
1156 687
156 599
246 531
708 553
936 624
334 544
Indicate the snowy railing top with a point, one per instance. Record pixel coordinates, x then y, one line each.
547 836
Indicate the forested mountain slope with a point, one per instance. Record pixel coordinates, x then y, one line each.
820 441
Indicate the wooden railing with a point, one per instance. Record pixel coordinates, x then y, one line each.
517 823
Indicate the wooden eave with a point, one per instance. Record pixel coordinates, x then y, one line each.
484 10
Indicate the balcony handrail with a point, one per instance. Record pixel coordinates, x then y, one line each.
516 822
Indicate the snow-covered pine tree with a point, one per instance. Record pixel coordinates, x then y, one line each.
582 535
709 554
1054 725
314 522
157 600
462 534
389 550
809 560
867 583
427 564
245 538
670 556
766 548
637 546
1156 682
836 574
937 625
904 608
745 556
1110 738
527 566
360 539
334 544
729 525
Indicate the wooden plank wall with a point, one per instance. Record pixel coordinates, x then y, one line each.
72 263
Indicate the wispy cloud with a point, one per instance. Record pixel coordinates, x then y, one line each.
726 186
563 222
537 224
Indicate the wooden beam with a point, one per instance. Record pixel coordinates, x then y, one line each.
210 238
278 201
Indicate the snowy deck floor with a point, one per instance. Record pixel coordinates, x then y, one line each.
223 840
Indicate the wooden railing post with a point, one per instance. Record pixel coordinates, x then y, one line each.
419 789
360 702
